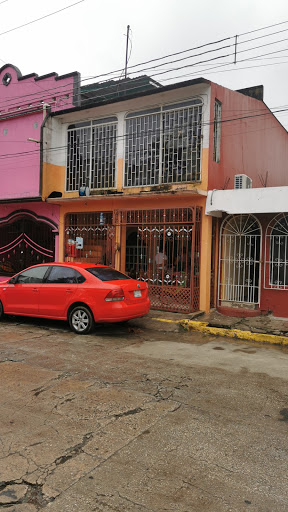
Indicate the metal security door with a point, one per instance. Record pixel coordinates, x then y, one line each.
166 256
239 268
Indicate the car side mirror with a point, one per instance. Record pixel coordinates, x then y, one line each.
12 280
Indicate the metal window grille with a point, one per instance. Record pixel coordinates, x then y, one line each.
103 156
165 146
276 254
239 266
78 159
96 233
91 156
142 150
217 130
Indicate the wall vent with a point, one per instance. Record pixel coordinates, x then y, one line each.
242 181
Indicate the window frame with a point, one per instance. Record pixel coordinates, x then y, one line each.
276 260
15 279
162 111
217 131
77 175
76 282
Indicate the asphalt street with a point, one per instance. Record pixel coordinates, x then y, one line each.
132 419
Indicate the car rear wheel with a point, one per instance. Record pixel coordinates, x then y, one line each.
1 310
81 320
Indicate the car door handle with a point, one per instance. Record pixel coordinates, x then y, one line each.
69 290
35 289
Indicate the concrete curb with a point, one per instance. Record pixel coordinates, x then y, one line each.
204 328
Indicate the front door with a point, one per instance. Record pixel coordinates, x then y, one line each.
163 249
239 264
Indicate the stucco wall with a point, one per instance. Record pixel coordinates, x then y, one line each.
55 134
253 145
24 101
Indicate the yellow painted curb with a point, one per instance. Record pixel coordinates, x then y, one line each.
203 327
168 321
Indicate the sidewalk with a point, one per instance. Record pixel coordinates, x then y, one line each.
266 329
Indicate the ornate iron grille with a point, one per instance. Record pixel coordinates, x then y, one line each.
89 237
91 155
239 268
166 255
276 253
25 242
78 158
164 146
213 262
142 150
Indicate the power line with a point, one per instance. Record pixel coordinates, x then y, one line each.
124 136
155 74
130 89
178 53
42 18
263 28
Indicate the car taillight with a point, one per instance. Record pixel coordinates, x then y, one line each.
115 295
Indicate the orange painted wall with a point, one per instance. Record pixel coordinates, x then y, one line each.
251 146
54 180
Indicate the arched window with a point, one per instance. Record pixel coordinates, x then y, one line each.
239 266
276 253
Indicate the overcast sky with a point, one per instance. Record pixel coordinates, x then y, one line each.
90 37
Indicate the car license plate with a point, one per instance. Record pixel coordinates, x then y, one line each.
137 293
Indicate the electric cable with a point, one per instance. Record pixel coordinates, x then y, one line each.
42 18
177 53
124 136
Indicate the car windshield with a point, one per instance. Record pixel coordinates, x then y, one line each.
107 274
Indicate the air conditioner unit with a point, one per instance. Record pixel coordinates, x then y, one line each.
242 181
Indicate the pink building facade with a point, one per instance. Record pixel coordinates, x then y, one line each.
28 227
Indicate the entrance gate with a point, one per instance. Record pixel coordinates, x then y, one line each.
25 241
239 265
166 254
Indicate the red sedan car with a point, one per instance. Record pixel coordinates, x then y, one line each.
83 294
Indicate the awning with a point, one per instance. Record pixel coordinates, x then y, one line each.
251 200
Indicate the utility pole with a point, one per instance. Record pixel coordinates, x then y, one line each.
126 58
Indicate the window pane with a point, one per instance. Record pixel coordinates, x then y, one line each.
182 145
107 274
103 156
91 155
164 147
217 131
142 150
63 275
78 159
279 253
32 275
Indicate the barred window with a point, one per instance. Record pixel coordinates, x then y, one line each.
164 145
217 130
276 253
91 155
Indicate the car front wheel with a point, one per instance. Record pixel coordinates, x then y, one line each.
81 320
1 310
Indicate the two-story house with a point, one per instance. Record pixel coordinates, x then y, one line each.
131 181
28 226
130 171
